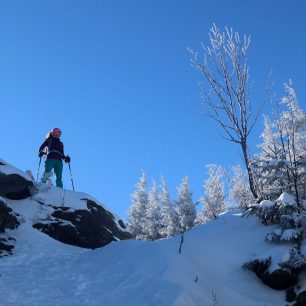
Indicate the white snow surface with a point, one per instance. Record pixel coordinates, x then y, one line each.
286 198
9 169
43 271
266 203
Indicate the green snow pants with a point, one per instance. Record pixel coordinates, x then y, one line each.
57 165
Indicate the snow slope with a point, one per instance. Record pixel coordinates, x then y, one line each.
43 271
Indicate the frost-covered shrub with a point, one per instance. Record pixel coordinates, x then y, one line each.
258 266
291 235
283 211
274 236
296 261
287 235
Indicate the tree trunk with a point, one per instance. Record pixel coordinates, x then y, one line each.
247 163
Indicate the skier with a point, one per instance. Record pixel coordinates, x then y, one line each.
55 155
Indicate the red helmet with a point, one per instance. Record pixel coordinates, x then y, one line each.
56 130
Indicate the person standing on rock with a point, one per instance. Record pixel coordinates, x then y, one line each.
55 156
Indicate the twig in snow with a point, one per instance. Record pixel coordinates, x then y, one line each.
63 199
214 297
181 243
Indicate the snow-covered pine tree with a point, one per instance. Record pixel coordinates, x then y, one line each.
153 215
240 193
268 165
281 164
213 198
137 211
169 216
185 207
292 128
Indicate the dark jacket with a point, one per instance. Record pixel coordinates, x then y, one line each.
55 148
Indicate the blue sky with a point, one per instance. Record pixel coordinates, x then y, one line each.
115 76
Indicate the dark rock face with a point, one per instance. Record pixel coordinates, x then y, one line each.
92 228
8 220
14 186
301 299
280 279
6 246
290 295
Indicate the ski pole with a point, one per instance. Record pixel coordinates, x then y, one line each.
71 176
38 168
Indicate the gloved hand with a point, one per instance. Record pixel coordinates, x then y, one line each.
67 159
41 153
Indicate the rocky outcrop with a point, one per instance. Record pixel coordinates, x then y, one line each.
279 279
91 228
14 186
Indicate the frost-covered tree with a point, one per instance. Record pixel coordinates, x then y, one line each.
226 92
169 217
270 165
185 207
239 192
280 174
269 147
292 130
281 164
137 211
213 198
153 214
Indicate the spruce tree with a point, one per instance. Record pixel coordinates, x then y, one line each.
239 192
137 211
153 214
169 216
185 207
213 198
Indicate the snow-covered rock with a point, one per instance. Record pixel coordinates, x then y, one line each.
91 227
14 184
70 217
8 221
